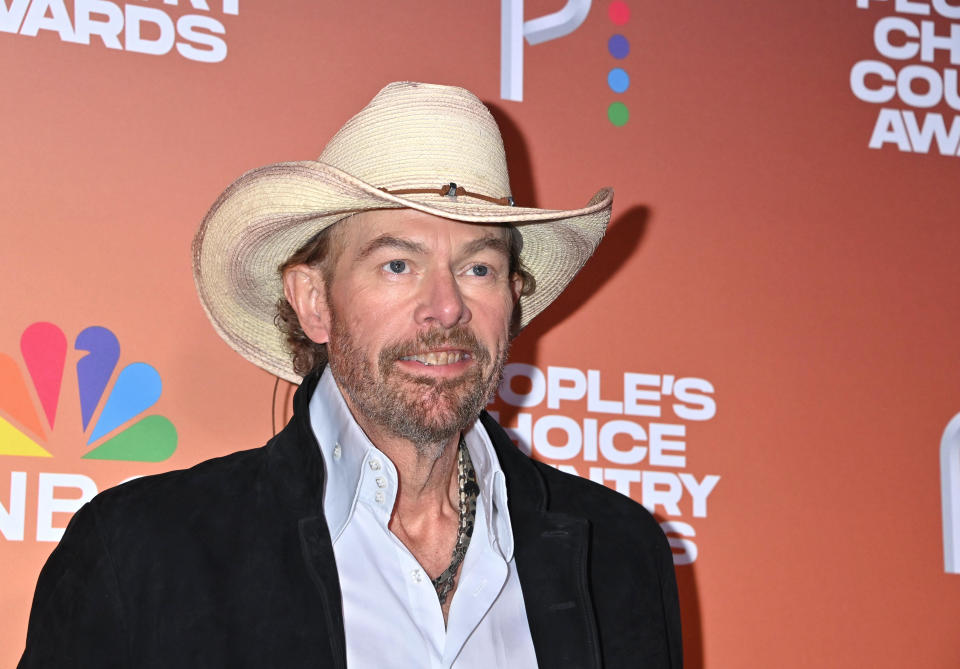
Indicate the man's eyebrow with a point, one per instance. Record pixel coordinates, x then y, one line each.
387 241
494 242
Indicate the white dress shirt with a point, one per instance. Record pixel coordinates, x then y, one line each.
391 612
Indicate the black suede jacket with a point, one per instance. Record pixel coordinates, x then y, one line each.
230 564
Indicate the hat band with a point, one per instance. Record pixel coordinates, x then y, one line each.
451 190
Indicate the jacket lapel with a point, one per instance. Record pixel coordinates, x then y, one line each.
322 566
551 553
552 563
299 473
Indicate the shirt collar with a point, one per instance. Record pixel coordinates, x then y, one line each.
345 448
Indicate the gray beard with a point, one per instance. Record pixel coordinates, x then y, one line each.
425 411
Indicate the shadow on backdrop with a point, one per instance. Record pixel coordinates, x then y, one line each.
519 163
623 238
692 625
691 616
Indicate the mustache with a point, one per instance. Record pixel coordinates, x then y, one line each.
459 337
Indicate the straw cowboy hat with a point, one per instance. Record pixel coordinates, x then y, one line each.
431 148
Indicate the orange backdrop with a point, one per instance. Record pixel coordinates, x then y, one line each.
764 350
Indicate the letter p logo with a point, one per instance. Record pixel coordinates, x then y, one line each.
950 490
513 30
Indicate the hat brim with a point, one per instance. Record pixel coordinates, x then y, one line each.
271 212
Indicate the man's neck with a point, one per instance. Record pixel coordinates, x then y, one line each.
426 515
428 475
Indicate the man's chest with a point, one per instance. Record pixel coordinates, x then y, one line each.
393 617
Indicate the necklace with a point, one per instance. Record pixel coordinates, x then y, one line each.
467 479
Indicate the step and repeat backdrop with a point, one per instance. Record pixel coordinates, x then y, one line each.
765 351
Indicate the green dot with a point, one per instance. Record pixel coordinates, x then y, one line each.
618 113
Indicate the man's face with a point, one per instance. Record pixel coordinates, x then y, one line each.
418 312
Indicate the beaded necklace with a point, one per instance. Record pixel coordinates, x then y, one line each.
467 479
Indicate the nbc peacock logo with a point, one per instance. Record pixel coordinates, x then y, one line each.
112 419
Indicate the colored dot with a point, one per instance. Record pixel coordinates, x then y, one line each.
619 12
618 80
618 113
618 46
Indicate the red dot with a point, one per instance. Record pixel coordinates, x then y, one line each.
619 12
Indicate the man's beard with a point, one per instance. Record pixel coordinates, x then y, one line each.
421 409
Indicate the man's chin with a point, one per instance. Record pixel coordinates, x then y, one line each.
433 428
433 412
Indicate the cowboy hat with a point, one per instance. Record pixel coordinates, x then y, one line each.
431 148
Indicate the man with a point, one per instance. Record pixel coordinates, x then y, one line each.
387 525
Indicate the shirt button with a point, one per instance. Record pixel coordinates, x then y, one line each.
381 482
337 452
379 497
416 575
374 465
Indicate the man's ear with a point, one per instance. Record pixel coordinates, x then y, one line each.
516 286
516 289
306 291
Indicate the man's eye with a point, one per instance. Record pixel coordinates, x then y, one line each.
480 270
396 266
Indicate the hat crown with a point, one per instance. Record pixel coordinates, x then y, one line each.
414 135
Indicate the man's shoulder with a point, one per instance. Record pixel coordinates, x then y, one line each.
197 496
569 493
212 477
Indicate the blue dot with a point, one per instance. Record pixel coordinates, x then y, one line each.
618 46
618 80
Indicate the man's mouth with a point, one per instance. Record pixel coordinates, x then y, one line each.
437 357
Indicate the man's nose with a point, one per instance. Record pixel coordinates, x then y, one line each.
441 301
